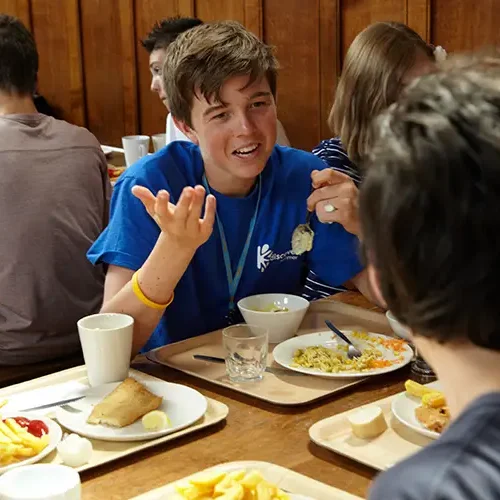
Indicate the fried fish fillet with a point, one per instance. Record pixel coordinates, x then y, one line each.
124 405
435 419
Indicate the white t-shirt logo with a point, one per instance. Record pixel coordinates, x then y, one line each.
265 256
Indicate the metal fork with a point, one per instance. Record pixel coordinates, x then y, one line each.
70 409
352 350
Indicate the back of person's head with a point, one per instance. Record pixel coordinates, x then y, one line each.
18 57
381 60
430 204
166 31
201 59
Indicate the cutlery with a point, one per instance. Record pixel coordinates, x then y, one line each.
275 371
55 403
352 350
302 237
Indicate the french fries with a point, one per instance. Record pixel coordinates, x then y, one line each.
236 485
17 444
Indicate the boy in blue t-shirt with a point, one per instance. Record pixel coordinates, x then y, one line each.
221 82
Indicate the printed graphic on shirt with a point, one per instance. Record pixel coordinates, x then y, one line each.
266 256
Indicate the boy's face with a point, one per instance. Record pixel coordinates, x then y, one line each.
236 136
156 61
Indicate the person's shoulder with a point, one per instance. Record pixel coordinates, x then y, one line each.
292 159
74 135
331 146
178 163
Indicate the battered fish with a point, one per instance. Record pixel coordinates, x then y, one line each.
435 419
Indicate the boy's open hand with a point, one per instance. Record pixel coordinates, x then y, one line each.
182 222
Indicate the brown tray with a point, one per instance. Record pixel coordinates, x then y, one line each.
107 451
290 390
395 444
286 479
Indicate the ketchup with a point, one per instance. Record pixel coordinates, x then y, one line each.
36 428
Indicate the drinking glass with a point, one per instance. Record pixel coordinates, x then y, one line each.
420 370
246 349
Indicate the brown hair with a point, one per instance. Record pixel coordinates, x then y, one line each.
201 59
371 80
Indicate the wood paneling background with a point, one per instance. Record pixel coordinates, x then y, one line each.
94 70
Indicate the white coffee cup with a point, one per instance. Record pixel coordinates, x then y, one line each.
41 482
159 141
106 340
135 146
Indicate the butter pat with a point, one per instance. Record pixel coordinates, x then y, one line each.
368 422
75 451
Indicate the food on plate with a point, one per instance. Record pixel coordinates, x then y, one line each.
21 438
433 414
156 420
271 308
335 360
124 405
74 450
235 485
368 423
114 172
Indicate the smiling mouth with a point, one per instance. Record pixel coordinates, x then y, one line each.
247 150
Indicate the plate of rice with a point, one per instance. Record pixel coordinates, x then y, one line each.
323 354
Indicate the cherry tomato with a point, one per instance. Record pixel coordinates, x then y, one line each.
23 421
37 428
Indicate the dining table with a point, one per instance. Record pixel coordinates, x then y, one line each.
253 430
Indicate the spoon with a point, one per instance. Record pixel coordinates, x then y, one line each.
302 237
352 351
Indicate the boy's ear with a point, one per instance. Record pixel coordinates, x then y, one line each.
187 130
374 281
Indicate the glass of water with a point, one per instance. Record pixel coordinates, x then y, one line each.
246 349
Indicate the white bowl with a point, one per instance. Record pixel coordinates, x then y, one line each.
281 325
399 329
41 482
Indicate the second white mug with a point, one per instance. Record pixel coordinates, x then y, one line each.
135 146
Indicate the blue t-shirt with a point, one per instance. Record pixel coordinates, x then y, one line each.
202 296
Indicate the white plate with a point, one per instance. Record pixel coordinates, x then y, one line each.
283 353
404 406
183 405
55 435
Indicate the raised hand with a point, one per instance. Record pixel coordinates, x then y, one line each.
181 222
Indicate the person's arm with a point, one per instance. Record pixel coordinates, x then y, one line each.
362 283
182 232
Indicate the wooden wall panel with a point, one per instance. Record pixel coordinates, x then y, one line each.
18 8
152 112
56 27
220 10
418 17
294 32
356 15
465 25
110 73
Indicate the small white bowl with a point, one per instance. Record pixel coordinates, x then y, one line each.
281 325
399 329
41 482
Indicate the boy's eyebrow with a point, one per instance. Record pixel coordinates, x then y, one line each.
215 107
261 93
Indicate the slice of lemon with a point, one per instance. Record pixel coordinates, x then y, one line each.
155 420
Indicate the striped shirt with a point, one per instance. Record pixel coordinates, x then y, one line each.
332 152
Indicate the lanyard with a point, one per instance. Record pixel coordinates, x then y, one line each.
233 281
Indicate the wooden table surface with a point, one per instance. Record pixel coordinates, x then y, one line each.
253 430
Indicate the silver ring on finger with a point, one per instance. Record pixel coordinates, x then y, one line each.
329 208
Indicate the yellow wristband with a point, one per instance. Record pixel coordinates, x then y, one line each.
140 295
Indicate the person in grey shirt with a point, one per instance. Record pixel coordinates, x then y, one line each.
430 220
54 193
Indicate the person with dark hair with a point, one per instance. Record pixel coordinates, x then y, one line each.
54 195
431 225
156 43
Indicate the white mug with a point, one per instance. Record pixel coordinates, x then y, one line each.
106 340
41 482
159 141
135 146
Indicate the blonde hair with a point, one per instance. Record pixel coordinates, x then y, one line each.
371 80
202 58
